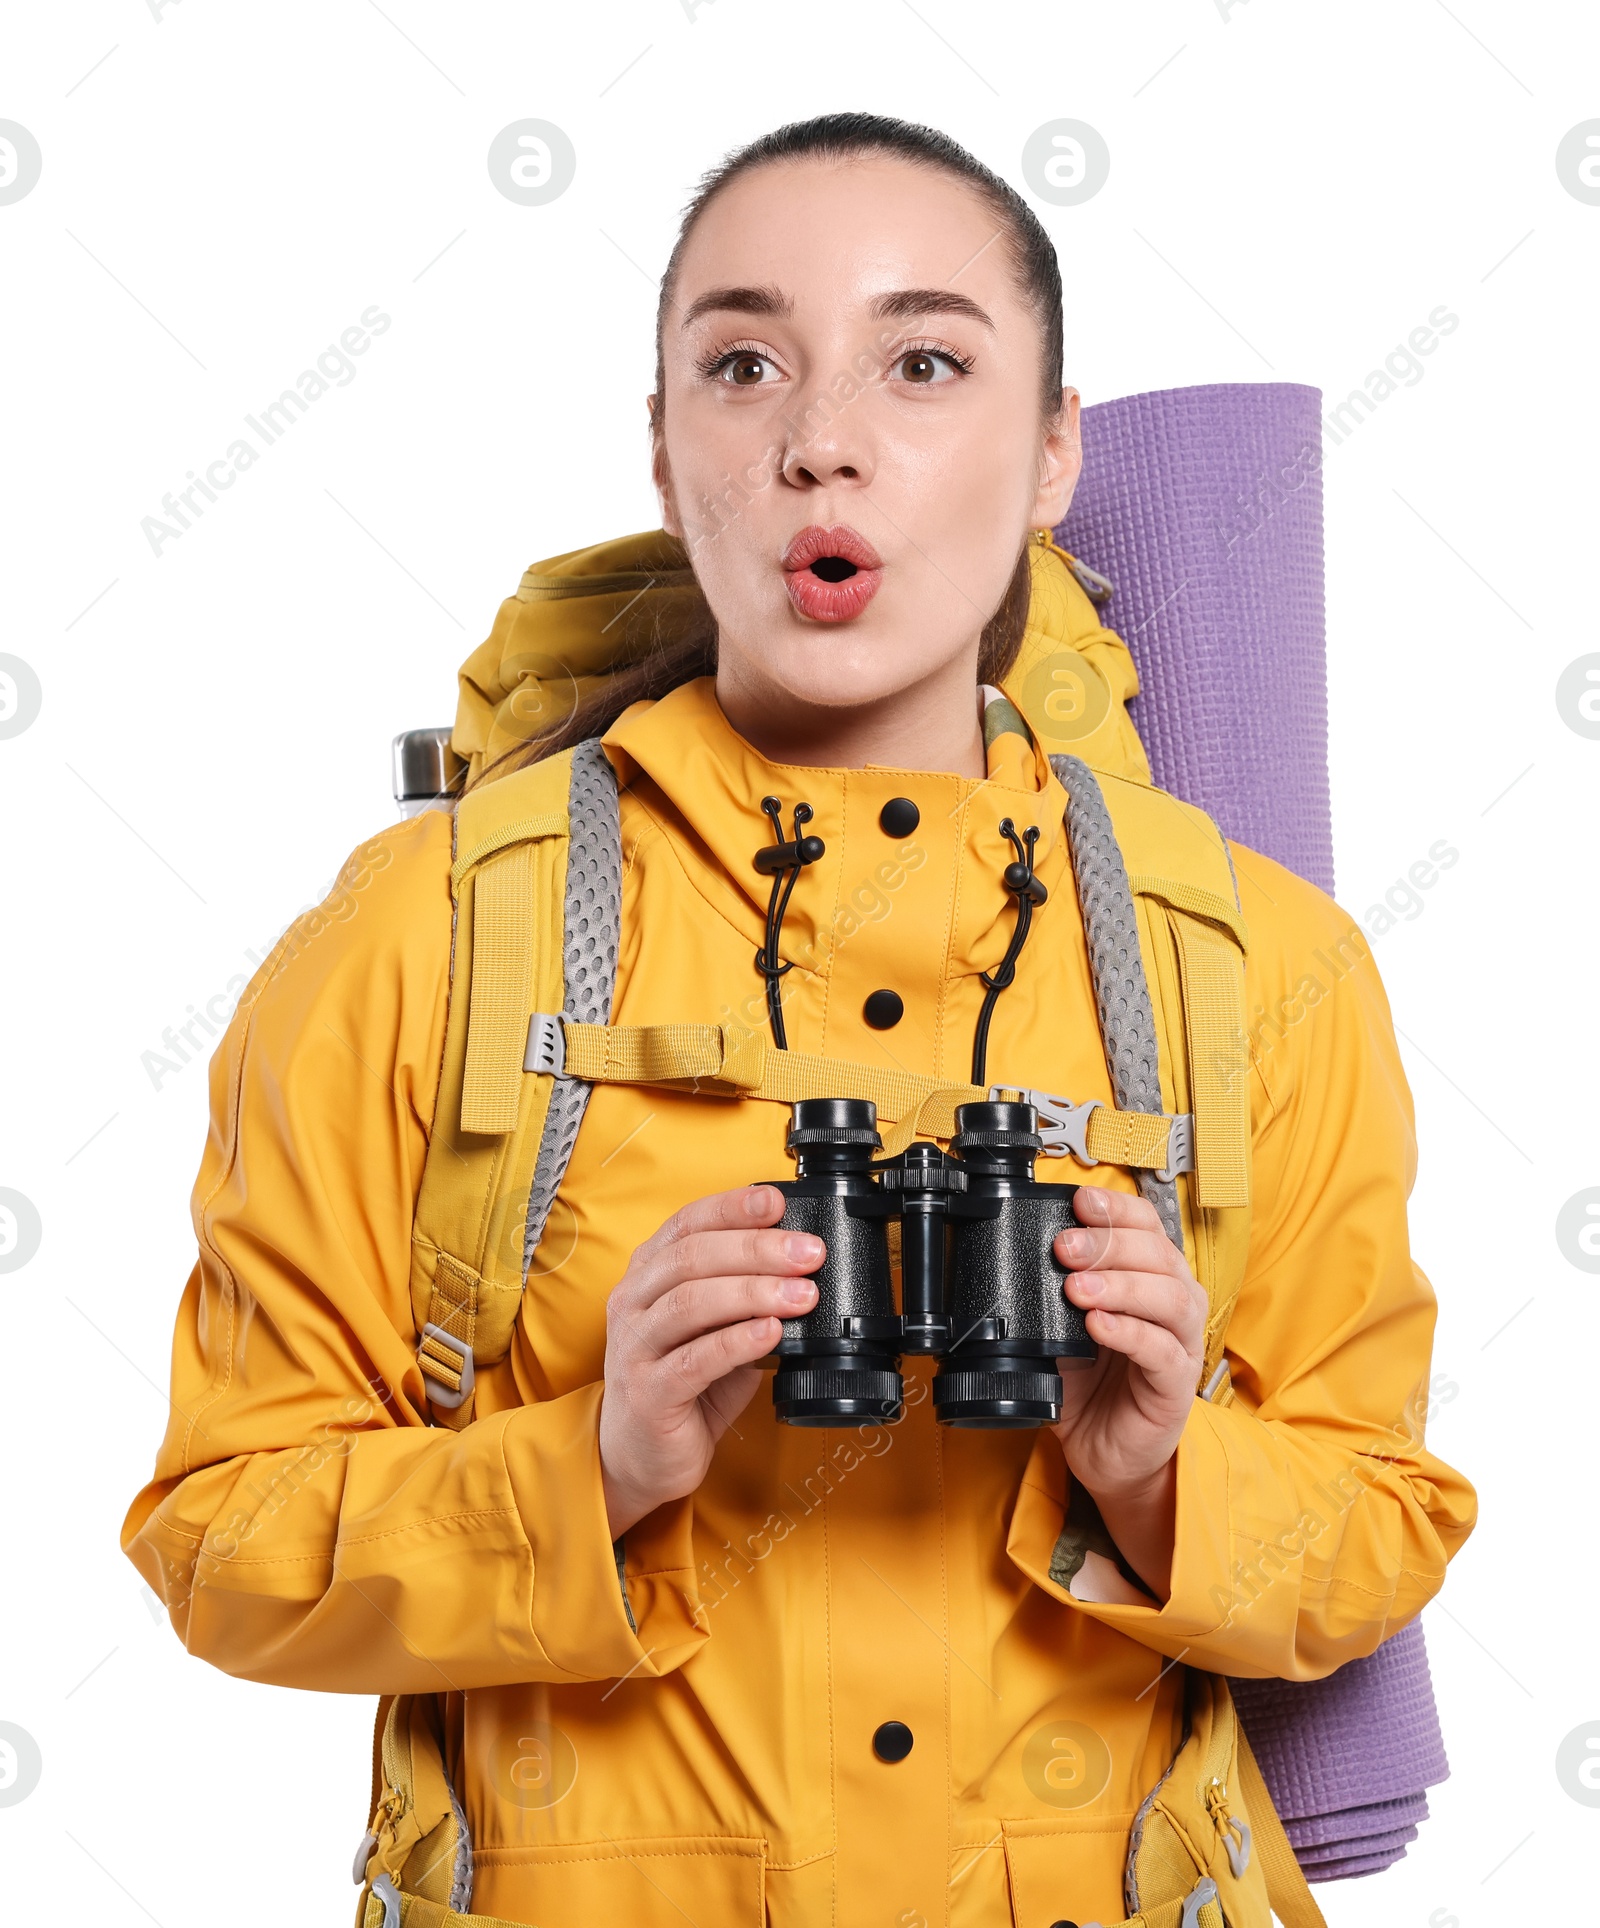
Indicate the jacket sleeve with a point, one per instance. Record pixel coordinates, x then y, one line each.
305 1525
1312 1522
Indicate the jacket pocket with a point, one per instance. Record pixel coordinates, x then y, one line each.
1066 1870
651 1883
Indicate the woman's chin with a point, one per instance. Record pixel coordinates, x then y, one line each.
829 680
880 655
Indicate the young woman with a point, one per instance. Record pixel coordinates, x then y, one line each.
668 1658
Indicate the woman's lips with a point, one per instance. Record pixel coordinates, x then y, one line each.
844 555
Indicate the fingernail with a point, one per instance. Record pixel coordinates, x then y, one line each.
759 1201
1089 1285
798 1292
1074 1242
804 1249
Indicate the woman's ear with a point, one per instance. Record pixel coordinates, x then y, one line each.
661 475
1060 464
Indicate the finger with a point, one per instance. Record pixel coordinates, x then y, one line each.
713 1255
1157 1298
702 1305
744 1206
723 1402
1119 1248
1159 1353
697 1366
1100 1205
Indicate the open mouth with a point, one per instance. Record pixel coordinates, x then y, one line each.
831 574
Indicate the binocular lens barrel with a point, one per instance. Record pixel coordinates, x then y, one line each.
1010 1320
981 1288
839 1363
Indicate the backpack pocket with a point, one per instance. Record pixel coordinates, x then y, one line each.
1195 1821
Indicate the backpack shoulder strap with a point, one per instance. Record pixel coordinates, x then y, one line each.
1166 947
536 883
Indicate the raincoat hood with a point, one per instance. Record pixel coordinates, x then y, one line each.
577 617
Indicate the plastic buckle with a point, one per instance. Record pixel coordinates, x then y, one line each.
438 1392
358 1873
1180 1148
1063 1125
547 1045
1203 1891
1238 1851
389 1895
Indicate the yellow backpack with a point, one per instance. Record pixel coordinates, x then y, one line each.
536 886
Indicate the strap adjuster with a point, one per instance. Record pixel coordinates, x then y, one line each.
547 1045
1063 1125
460 1362
1180 1148
1203 1891
384 1890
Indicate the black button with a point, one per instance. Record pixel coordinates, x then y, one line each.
1063 1924
892 1742
899 817
884 1010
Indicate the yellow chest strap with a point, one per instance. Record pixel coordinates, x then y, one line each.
731 1061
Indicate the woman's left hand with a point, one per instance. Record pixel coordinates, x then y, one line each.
1121 1418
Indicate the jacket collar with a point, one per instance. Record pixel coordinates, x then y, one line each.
704 784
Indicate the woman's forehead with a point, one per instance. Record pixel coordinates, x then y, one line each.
822 235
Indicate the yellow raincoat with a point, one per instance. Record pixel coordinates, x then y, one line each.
696 1740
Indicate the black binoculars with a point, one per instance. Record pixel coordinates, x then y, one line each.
981 1287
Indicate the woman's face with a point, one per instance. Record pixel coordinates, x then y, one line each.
853 447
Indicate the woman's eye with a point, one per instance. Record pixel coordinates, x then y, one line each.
746 370
926 366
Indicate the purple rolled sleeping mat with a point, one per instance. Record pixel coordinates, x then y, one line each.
1203 507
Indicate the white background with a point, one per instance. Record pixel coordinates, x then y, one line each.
225 188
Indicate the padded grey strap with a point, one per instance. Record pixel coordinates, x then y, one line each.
1111 932
591 926
461 1871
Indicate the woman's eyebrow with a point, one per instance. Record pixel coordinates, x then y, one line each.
905 304
901 304
744 301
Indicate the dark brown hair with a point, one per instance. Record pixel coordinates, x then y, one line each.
654 664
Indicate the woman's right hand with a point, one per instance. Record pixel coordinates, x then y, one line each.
699 1304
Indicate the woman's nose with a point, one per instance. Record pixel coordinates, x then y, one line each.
826 446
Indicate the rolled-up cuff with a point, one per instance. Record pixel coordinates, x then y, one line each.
580 1617
1200 1594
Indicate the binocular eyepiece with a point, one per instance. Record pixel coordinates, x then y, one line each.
981 1287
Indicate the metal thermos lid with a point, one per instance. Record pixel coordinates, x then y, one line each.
425 765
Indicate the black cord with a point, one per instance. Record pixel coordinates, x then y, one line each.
782 862
1029 893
